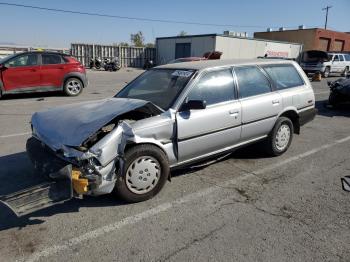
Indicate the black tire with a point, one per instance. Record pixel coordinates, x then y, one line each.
346 71
326 72
122 189
73 86
271 145
0 93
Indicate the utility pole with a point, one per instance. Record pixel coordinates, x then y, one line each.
326 8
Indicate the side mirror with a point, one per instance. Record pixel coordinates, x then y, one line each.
194 105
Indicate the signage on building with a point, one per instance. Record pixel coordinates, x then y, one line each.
276 50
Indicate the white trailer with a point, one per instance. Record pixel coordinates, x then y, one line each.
170 48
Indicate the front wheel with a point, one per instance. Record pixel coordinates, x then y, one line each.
73 87
280 137
146 171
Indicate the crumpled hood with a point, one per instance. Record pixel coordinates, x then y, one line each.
71 125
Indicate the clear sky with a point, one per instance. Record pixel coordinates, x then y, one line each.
44 28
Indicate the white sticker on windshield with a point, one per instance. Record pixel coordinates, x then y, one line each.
182 73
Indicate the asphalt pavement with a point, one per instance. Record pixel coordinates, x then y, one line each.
244 206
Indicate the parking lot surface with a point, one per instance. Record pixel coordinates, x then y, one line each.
244 206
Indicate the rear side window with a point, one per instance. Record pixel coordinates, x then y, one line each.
51 59
284 76
251 81
341 58
214 87
347 57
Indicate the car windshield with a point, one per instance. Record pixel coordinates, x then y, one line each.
159 86
4 59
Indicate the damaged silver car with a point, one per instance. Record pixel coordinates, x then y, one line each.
168 117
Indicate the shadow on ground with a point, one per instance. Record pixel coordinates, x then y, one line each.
324 109
39 95
17 173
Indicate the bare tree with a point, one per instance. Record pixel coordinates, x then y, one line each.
138 39
123 44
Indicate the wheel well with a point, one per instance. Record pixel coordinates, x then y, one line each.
132 144
294 117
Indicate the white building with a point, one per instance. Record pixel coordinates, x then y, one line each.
170 48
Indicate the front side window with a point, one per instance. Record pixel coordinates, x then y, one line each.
284 76
23 60
214 87
336 58
251 81
159 86
51 59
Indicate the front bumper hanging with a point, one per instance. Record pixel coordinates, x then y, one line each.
56 189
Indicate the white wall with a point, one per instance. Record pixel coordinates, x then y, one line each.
241 48
199 45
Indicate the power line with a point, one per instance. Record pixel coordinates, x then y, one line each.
131 18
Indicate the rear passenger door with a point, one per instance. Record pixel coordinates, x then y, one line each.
336 64
218 126
260 105
341 63
52 70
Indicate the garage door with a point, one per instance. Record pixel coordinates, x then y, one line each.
338 45
182 50
324 44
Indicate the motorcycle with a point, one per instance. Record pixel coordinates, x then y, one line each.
112 64
340 91
148 64
97 63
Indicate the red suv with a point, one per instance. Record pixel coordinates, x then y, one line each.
41 72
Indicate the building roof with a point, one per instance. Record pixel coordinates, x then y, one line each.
306 29
200 65
228 36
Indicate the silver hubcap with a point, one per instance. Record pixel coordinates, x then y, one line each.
74 87
282 137
143 175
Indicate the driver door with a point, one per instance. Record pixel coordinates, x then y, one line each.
205 131
21 73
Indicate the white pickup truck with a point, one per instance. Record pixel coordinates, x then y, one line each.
327 63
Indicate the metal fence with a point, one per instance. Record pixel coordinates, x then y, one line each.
128 56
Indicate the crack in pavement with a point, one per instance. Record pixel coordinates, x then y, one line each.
191 243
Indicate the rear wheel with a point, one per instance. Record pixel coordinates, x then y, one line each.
280 137
73 87
146 171
346 71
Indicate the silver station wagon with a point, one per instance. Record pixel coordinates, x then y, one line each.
170 116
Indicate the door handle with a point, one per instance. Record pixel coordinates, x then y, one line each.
275 102
233 113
